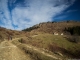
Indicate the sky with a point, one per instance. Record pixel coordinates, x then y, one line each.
21 14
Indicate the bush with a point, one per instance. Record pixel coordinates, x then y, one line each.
54 48
73 30
74 51
22 40
74 39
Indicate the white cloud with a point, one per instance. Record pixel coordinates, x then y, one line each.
5 15
31 12
70 11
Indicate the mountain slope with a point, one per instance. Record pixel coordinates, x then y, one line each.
5 33
40 42
44 37
51 27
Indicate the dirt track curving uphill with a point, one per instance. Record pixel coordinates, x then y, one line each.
8 51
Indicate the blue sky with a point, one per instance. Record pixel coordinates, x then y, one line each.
21 14
71 13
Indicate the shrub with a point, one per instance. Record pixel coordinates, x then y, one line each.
75 52
22 40
54 48
73 30
74 39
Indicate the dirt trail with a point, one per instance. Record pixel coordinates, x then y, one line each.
40 50
8 51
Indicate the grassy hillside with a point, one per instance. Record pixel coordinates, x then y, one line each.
51 27
42 36
66 44
4 33
54 44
